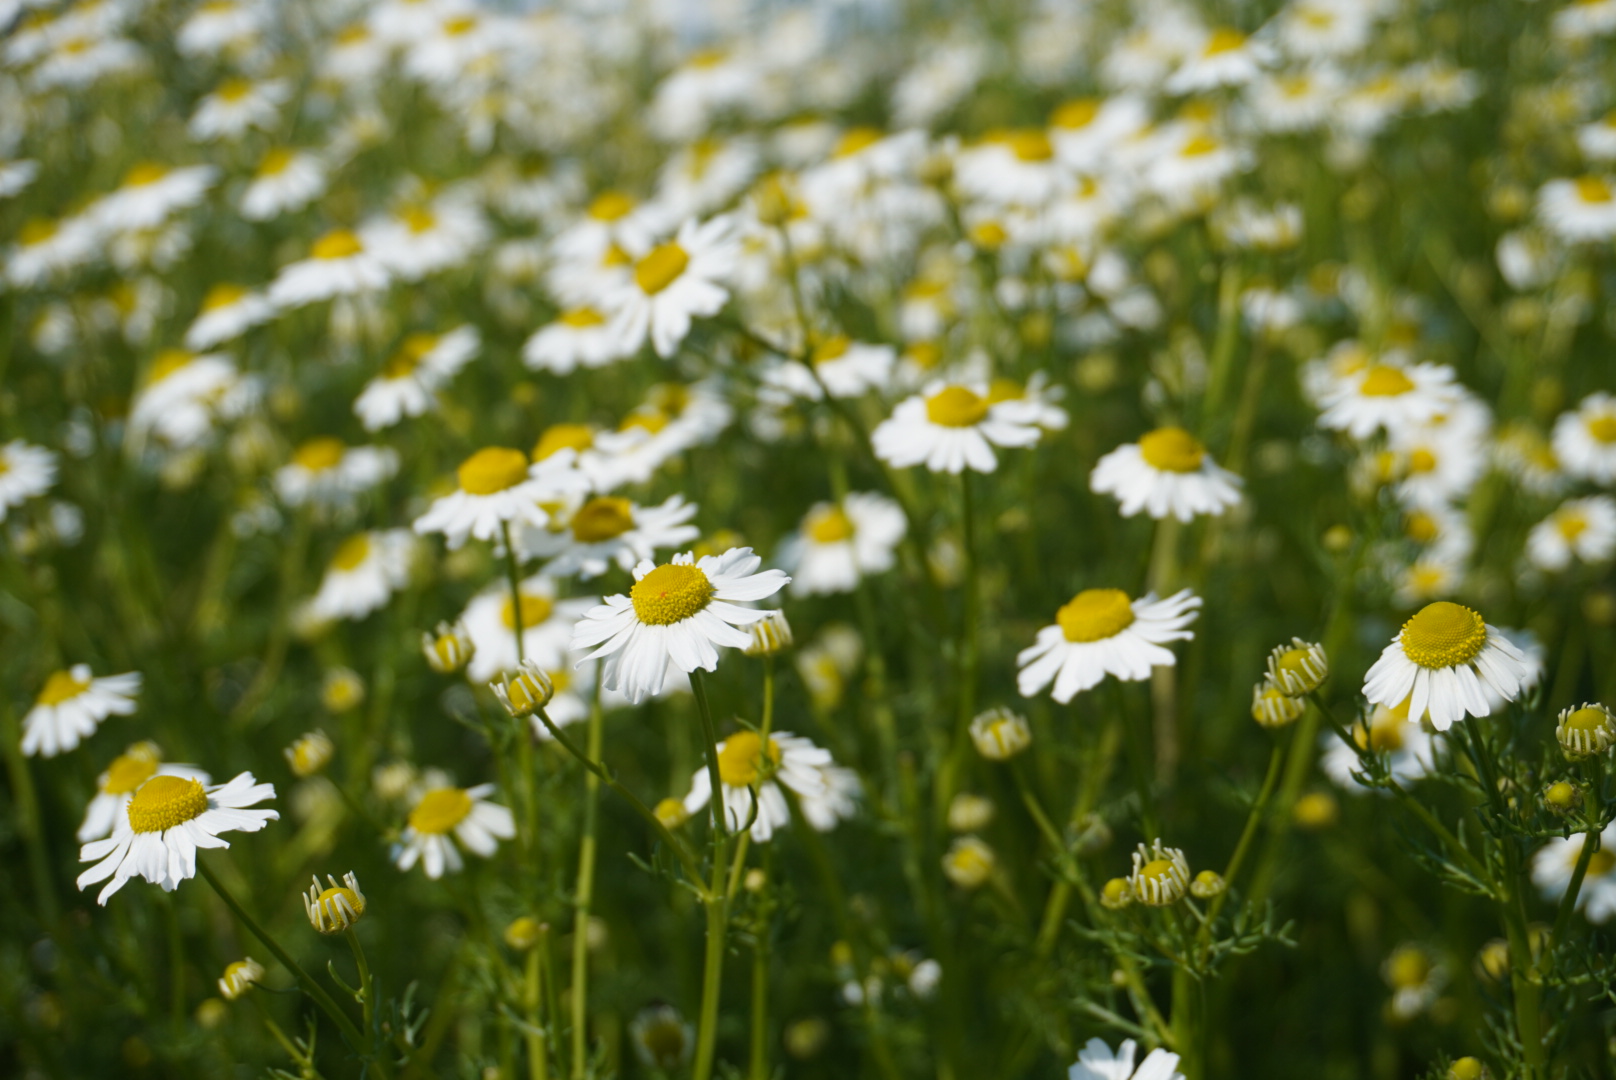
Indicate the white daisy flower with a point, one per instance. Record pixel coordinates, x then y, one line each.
355 56
228 311
601 468
287 179
1085 131
324 472
26 471
846 368
1101 632
82 59
1581 529
465 813
217 26
1583 19
1386 396
1597 140
839 544
238 106
1310 29
1410 749
1581 210
547 623
425 239
409 382
166 821
45 249
1445 656
1226 58
497 487
672 283
1295 101
363 574
825 791
149 194
706 175
1556 861
15 176
679 611
1012 168
674 418
950 427
118 784
1191 166
182 395
338 265
606 531
72 705
1096 1062
579 337
1167 473
1585 440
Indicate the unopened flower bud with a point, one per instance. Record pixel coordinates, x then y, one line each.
309 753
1273 708
522 933
448 648
969 813
672 813
524 691
1299 668
1316 810
771 635
969 863
239 977
1207 884
1467 1068
1161 875
333 910
1561 797
1000 734
1116 894
342 689
1585 731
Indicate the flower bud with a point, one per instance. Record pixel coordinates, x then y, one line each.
1585 731
1116 894
342 689
969 863
1298 669
522 933
1561 797
1207 884
1272 708
1316 810
672 813
239 977
310 753
333 910
1467 1068
1161 875
525 691
1091 835
448 648
771 635
1000 734
969 813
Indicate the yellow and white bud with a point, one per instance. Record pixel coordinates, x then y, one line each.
771 635
1161 875
1298 668
239 977
1000 734
448 648
969 863
310 753
334 909
525 691
1586 730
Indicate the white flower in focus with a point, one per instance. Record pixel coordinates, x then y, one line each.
950 427
1555 861
1445 657
118 784
1101 632
838 544
672 283
498 488
337 265
464 813
1581 529
408 383
1096 1062
72 705
825 791
367 569
26 471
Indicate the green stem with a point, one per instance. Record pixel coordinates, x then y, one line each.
758 1068
1099 772
538 1060
367 990
1259 809
714 902
25 808
585 897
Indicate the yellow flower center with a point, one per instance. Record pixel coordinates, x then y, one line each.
1385 731
956 406
858 139
337 244
1587 719
1408 968
409 355
610 206
1383 380
235 89
223 296
328 901
146 172
1076 114
127 772
1005 389
740 762
1199 146
1421 461
989 234
583 318
462 24
1295 661
1095 614
167 363
276 161
578 437
671 593
492 469
829 525
604 517
440 810
354 550
1223 40
1172 449
318 455
1591 189
60 687
1603 427
832 348
1157 870
1571 524
652 421
166 801
660 268
37 231
418 218
1421 527
1030 144
535 610
1601 863
1443 635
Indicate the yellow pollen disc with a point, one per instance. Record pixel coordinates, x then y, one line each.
1591 189
459 25
1004 389
660 268
146 172
223 296
1222 41
828 525
1589 719
605 517
166 801
615 256
832 348
127 772
492 469
37 231
708 58
1172 449
652 421
329 895
989 234
440 810
1421 527
409 356
1421 461
578 437
318 455
857 139
167 363
1157 870
671 593
354 550
1095 614
418 218
1295 662
337 244
1571 525
535 610
1199 146
235 89
1443 635
610 206
956 406
1030 145
740 762
1603 428
60 687
1382 380
1601 863
583 318
1408 968
1076 114
352 35
924 354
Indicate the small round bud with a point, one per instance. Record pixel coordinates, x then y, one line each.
341 690
334 909
1585 731
1467 1068
804 1039
755 880
969 863
771 635
1272 708
969 813
661 1038
672 813
239 977
1207 884
523 933
1000 734
1337 539
211 1013
524 691
309 753
1492 960
448 648
1298 668
841 955
1116 894
1161 875
1561 797
1316 810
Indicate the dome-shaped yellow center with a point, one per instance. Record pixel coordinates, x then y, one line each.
37 231
276 161
660 268
578 437
1571 523
147 172
332 900
1421 527
1172 449
535 610
1592 189
234 89
740 762
671 593
1005 389
411 351
440 811
1443 635
605 517
164 802
352 552
418 219
1157 870
337 244
128 771
1030 144
582 318
1408 968
1590 718
1383 380
1223 40
1603 427
1421 461
1095 614
167 363
828 525
1297 662
610 206
956 406
832 348
223 295
492 469
857 139
61 686
1074 115
320 454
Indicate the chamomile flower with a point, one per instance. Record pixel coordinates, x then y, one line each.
751 777
1096 1062
1555 862
1410 750
1443 657
672 283
26 471
422 239
1597 140
1582 210
840 543
1387 396
183 394
579 337
1583 19
409 381
337 265
117 785
240 977
1167 473
82 59
950 427
547 621
1012 168
149 194
497 489
228 311
217 26
363 574
72 705
608 530
287 180
45 249
1581 529
166 821
333 909
1101 632
1225 58
1585 440
680 611
464 813
844 367
238 106
324 472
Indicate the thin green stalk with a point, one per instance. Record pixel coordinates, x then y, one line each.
1259 809
25 807
367 984
585 897
968 657
1099 772
538 1058
716 907
1164 574
758 1058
